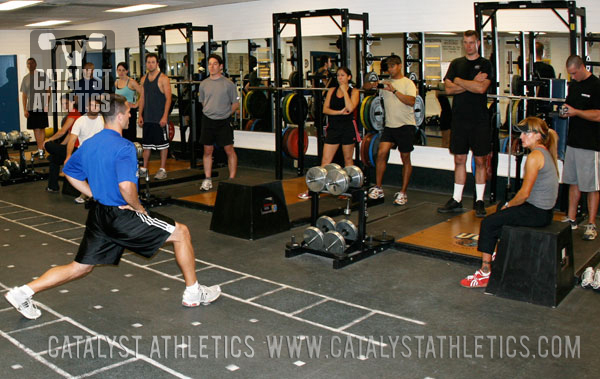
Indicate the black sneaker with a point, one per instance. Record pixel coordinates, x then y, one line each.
479 209
451 206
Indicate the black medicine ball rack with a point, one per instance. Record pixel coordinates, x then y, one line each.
362 247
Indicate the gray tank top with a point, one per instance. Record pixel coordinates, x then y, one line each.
545 189
154 101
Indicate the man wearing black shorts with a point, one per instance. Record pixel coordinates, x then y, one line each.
468 79
219 99
106 168
154 109
399 95
35 94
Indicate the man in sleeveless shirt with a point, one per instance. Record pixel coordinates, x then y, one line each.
154 113
219 99
581 168
468 79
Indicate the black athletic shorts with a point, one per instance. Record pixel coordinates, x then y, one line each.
471 135
403 137
154 137
216 131
343 133
110 230
37 120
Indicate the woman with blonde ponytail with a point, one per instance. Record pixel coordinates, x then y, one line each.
532 205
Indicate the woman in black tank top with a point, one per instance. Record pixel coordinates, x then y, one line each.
340 103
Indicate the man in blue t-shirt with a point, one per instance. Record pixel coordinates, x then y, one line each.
105 167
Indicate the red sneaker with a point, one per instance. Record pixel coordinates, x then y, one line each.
478 280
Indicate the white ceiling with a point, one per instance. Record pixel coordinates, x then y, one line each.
82 12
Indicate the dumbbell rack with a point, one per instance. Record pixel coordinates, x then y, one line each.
363 247
24 174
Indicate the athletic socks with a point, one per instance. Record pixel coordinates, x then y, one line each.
480 191
458 190
27 290
193 287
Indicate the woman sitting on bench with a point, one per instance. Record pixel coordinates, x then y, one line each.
532 205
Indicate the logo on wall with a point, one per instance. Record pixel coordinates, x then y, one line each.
466 239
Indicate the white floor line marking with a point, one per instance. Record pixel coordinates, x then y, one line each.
354 322
92 333
391 315
37 326
308 307
46 223
35 356
6 309
159 262
10 213
265 294
25 218
109 367
232 281
64 230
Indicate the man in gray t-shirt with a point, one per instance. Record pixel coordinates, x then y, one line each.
35 93
219 98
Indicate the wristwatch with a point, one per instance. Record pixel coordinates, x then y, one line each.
394 91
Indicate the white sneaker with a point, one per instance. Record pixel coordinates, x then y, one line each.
22 303
80 199
596 282
161 174
204 295
588 277
206 185
375 193
143 172
573 223
400 198
590 233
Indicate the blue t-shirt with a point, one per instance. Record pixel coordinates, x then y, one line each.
105 160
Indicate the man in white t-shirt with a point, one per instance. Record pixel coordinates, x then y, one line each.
84 128
399 95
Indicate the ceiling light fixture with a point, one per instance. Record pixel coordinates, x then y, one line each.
136 8
11 5
49 23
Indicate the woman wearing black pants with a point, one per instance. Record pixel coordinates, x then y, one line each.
532 205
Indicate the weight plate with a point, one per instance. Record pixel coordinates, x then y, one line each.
292 143
347 229
337 182
288 115
138 149
325 224
372 77
25 136
374 148
293 78
376 114
332 166
368 113
286 136
419 109
171 130
364 149
258 103
313 238
298 109
356 176
4 173
315 178
361 113
334 243
413 76
248 125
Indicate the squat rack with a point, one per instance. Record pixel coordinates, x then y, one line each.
280 21
187 31
485 13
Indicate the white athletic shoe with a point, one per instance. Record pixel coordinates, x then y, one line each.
596 282
161 174
204 295
143 172
23 303
588 277
206 185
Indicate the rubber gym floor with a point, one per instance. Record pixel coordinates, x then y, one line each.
393 315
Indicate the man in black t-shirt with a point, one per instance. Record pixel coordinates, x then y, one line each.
468 79
541 70
581 168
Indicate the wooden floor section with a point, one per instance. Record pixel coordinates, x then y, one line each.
457 235
291 189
